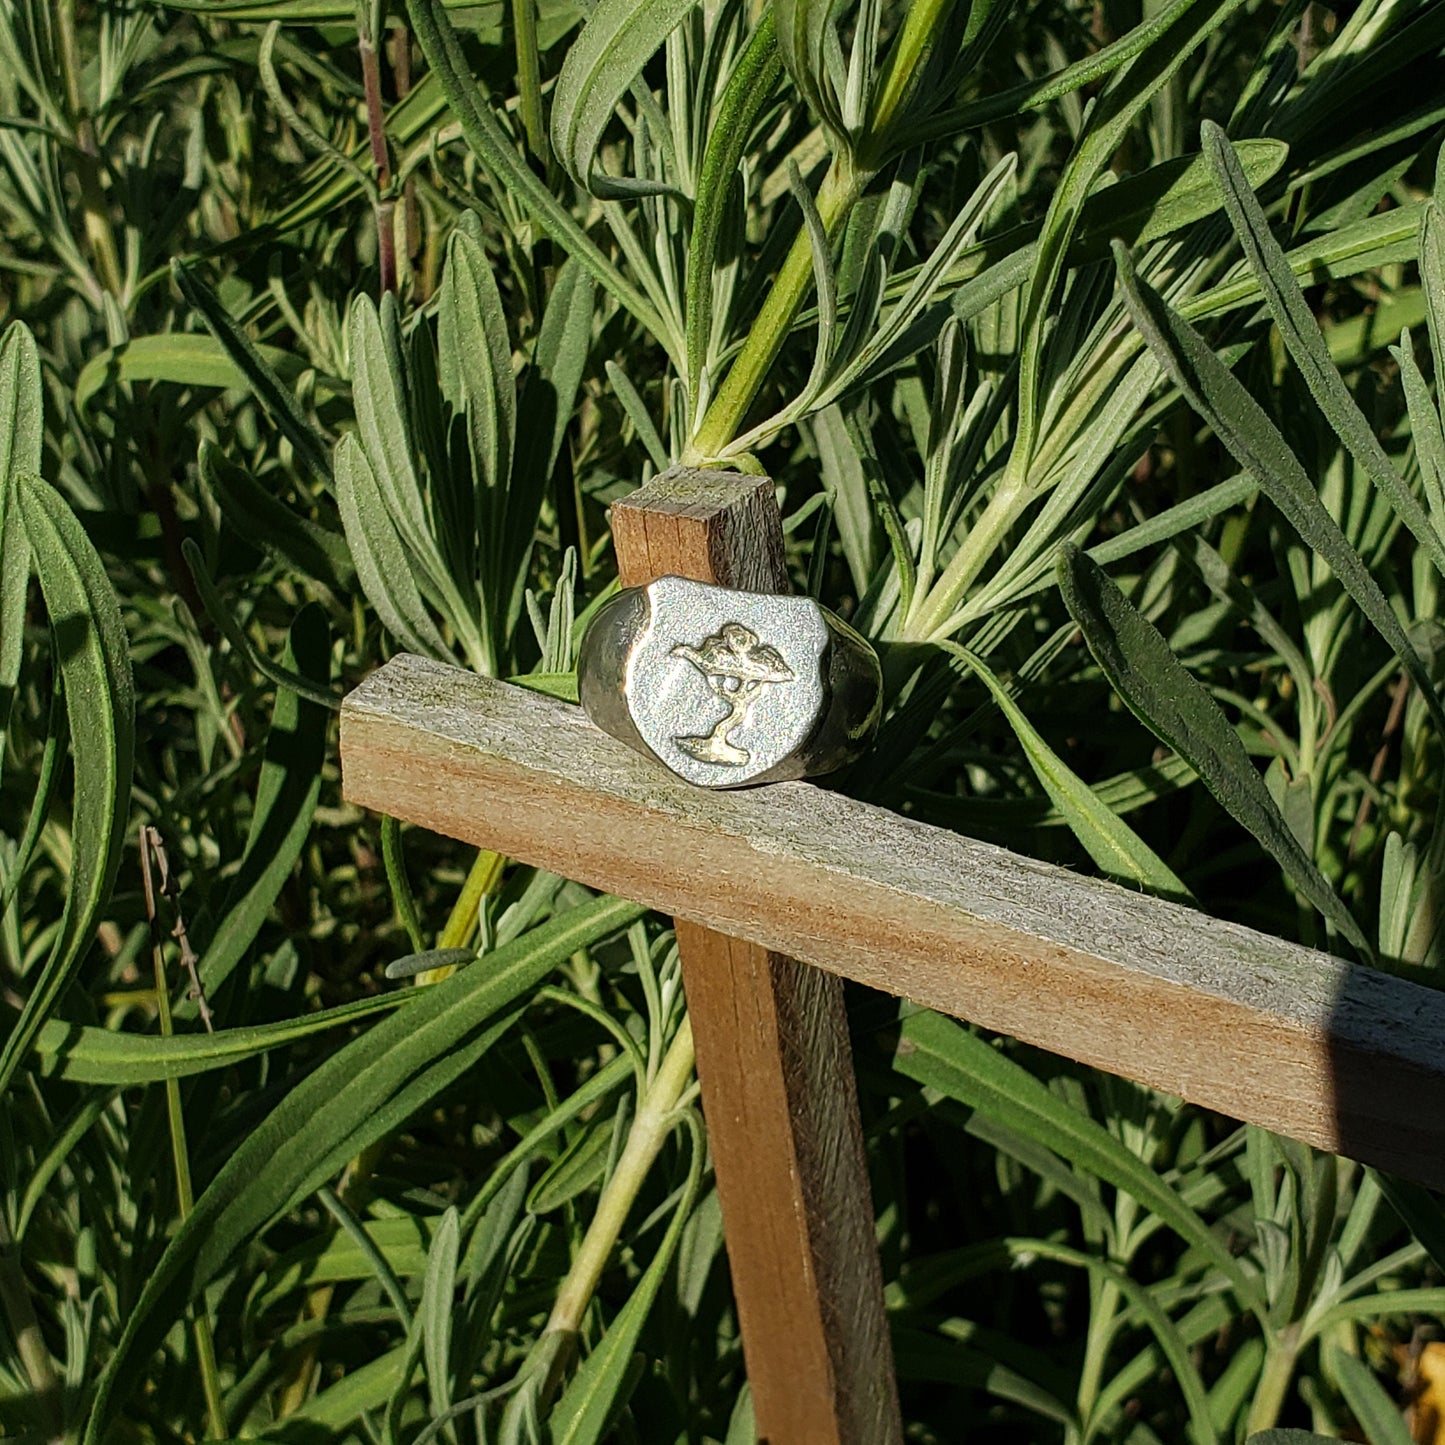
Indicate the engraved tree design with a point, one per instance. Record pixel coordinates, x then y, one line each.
737 667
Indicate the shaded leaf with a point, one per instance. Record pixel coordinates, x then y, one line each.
360 1094
1169 701
313 550
941 1054
258 373
1119 851
1242 425
92 655
1305 342
382 565
286 797
1377 1413
225 620
184 358
22 437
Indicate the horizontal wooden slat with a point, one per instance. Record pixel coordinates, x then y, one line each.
1344 1057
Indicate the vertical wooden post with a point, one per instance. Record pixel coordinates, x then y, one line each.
775 1066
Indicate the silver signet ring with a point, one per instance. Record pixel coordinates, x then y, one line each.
729 688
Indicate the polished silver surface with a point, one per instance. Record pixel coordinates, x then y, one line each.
729 688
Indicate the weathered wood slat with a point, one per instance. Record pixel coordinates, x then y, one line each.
775 1065
1342 1056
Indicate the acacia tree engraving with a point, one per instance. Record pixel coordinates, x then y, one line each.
737 667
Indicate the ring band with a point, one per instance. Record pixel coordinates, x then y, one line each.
729 688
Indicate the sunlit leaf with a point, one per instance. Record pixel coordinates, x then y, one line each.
619 38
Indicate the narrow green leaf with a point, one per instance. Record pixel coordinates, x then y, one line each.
86 1055
92 655
619 38
1169 701
898 544
1167 197
937 1052
403 900
411 964
1378 1414
1421 1211
286 798
435 1310
545 409
1120 853
560 358
368 1248
494 148
1114 113
1306 344
22 403
293 540
1432 272
382 565
1035 94
259 374
1379 240
636 409
225 620
382 427
581 1164
1425 427
22 439
186 358
550 684
360 1094
825 280
750 87
803 27
895 336
1239 421
589 1404
330 1259
475 356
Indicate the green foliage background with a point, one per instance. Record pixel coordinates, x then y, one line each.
1094 349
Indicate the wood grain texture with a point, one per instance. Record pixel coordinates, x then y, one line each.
1344 1057
720 527
775 1065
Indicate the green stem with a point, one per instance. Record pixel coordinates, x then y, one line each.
1096 1348
529 79
724 419
485 873
402 899
931 613
1274 1380
185 1197
656 1116
98 231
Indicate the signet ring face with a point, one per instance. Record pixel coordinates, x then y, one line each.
729 688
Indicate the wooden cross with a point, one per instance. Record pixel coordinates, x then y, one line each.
780 893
